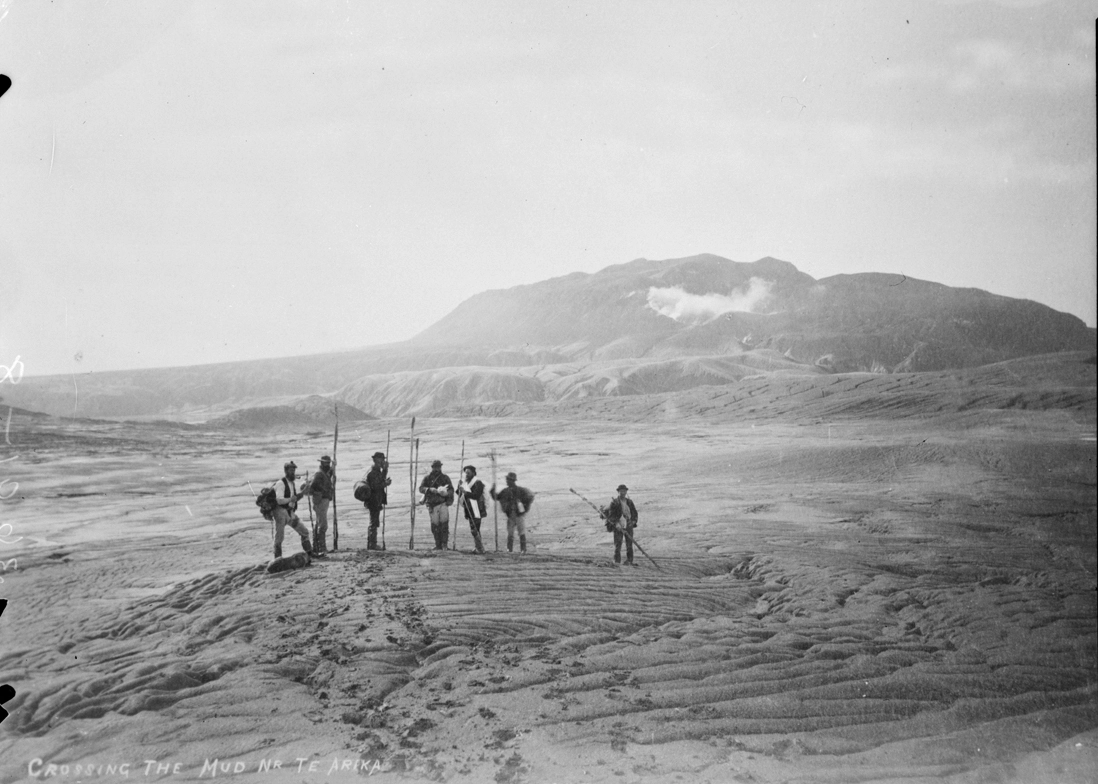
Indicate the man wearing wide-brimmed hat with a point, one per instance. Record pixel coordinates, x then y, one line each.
285 511
438 493
516 502
377 496
321 488
621 518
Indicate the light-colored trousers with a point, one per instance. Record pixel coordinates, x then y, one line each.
284 517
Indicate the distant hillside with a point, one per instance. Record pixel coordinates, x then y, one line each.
1001 392
217 389
312 411
432 391
644 327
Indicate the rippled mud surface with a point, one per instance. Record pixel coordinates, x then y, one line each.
854 600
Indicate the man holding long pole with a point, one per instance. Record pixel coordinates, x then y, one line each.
321 493
603 513
471 491
621 518
377 481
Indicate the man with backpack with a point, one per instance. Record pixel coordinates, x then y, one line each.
371 491
285 510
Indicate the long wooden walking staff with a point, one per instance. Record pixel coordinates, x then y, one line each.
622 529
309 498
412 482
461 475
495 506
335 454
384 476
415 470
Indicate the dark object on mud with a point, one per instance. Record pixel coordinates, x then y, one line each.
284 564
513 770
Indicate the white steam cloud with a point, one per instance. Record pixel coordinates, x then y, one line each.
680 305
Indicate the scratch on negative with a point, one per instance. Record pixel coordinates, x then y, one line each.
53 150
188 510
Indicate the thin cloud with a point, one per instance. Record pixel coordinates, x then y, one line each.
986 63
680 305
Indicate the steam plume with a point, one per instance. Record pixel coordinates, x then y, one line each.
677 304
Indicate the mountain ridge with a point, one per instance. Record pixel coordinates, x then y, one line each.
637 327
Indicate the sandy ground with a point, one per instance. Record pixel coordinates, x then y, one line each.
852 600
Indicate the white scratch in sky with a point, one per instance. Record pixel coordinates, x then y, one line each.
188 510
53 150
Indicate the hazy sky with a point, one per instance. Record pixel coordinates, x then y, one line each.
187 182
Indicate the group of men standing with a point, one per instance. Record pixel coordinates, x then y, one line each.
438 494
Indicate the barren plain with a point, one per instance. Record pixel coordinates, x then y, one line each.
861 579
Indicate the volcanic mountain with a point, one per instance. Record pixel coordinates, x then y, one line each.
630 329
706 305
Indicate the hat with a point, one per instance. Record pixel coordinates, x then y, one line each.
436 464
622 487
512 475
325 459
290 464
471 468
376 455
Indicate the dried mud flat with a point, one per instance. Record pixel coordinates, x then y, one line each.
890 599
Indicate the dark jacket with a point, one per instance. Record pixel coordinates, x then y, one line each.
474 494
320 484
514 500
433 480
378 496
614 513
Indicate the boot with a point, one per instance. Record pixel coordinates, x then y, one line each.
478 544
510 544
320 545
305 545
522 544
278 551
